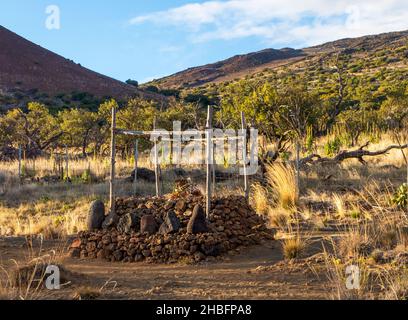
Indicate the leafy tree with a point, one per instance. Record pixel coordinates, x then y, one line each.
137 115
37 129
78 126
394 110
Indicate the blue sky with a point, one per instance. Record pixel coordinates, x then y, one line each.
148 39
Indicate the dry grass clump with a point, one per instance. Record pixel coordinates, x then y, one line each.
279 218
282 182
33 275
395 284
339 276
27 281
293 248
277 200
354 244
259 199
340 206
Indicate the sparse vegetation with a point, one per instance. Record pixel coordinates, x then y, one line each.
333 104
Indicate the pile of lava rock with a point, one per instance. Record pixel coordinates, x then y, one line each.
170 229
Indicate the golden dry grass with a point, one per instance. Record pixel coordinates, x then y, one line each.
259 199
282 183
349 195
293 248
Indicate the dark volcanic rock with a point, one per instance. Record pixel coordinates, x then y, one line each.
110 221
183 236
144 174
96 215
148 224
128 222
198 221
171 223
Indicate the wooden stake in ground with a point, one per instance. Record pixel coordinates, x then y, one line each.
66 163
209 155
213 172
244 154
113 162
156 160
19 164
135 168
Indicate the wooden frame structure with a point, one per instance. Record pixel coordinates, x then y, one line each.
210 171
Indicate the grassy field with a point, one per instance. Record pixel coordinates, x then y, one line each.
343 210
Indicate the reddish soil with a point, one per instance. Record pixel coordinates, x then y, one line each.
256 273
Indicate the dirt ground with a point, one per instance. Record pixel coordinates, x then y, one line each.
254 273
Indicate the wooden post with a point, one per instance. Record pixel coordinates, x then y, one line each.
156 161
244 154
66 163
135 167
19 164
209 155
113 162
213 172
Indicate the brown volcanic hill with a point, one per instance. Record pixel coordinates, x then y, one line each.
234 66
252 63
26 66
365 43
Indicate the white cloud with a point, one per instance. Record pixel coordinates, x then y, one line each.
305 22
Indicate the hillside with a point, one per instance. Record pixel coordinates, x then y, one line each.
27 69
253 64
223 70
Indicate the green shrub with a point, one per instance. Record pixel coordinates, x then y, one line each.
332 147
400 197
86 176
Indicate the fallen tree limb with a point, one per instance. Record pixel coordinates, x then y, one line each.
354 154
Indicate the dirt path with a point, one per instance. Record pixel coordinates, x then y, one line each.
256 273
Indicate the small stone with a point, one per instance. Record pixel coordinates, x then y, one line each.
198 221
168 205
76 244
211 249
91 246
106 239
199 256
110 221
128 222
181 206
96 215
83 254
171 223
147 253
139 258
148 225
118 255
74 253
220 228
101 254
